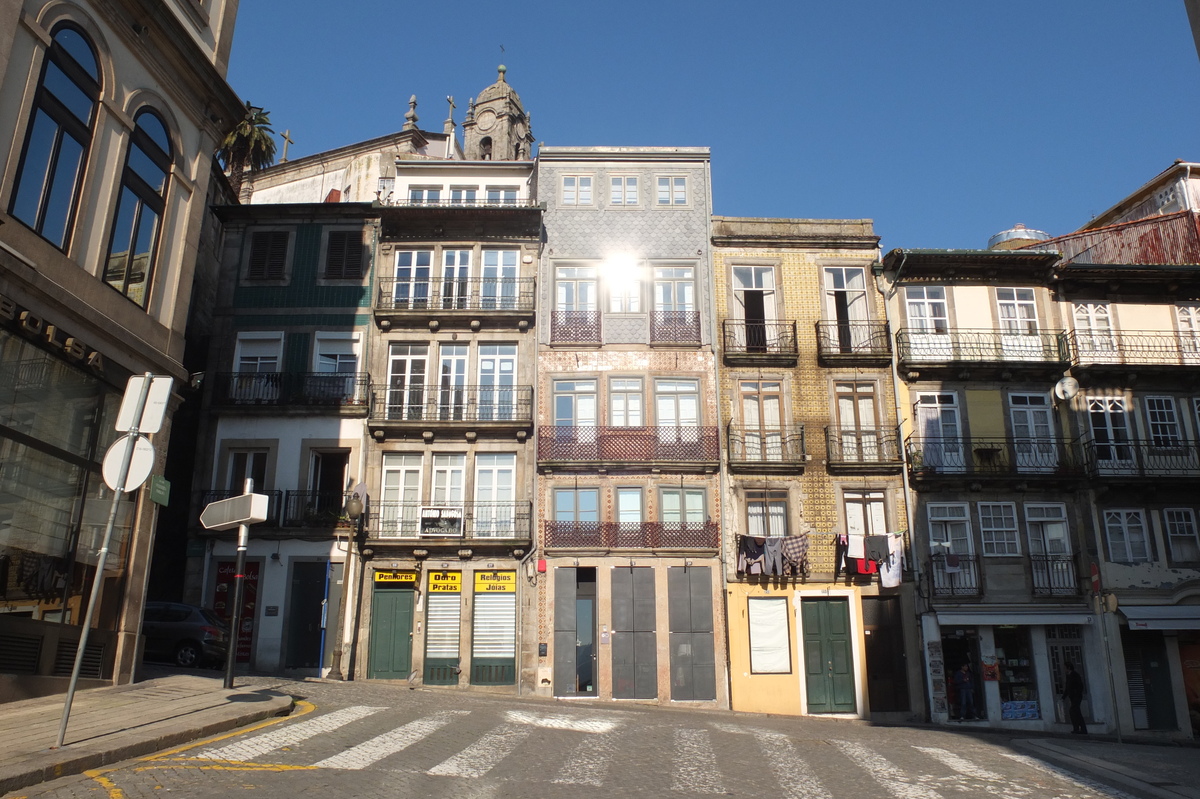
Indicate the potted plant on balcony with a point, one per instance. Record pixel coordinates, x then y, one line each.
920 468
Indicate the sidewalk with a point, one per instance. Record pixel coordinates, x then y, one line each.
1163 771
108 725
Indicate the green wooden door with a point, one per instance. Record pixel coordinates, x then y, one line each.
390 656
828 656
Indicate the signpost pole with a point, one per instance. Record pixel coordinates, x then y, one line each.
239 582
101 557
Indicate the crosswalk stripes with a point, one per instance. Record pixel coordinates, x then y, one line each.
1063 774
886 773
479 758
289 734
695 763
391 742
792 772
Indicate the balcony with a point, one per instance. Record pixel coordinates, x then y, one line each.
1125 460
460 407
673 448
575 327
863 449
863 343
345 391
453 522
274 503
955 580
675 328
1054 575
454 302
631 535
316 509
931 458
995 350
765 449
464 202
1110 349
760 343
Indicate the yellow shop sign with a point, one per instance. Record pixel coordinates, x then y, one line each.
445 582
396 577
495 582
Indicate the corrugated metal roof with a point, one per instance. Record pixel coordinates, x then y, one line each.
1171 239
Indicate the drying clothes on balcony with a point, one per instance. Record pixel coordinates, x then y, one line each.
856 546
952 564
795 554
877 548
891 569
773 556
839 554
860 566
750 554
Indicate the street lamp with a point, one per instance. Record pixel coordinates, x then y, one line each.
356 512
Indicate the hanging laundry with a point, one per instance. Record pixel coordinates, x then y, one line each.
754 554
795 554
890 574
877 548
952 563
839 555
857 547
773 556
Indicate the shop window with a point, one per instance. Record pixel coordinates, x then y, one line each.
770 643
1017 678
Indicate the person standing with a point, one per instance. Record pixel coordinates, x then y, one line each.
1073 693
964 686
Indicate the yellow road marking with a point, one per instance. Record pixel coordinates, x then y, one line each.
302 708
232 765
98 775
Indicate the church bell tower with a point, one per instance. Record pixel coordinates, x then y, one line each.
497 127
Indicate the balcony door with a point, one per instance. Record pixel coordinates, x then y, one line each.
762 420
857 434
1050 548
1019 339
846 306
452 382
407 364
499 284
928 324
575 289
328 486
456 274
677 411
257 360
575 412
754 291
411 287
497 381
1033 432
495 484
399 508
1094 338
336 367
940 435
1109 420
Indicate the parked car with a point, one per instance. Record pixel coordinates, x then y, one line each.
184 634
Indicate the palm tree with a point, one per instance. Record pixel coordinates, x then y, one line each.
249 147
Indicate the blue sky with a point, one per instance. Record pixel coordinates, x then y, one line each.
945 122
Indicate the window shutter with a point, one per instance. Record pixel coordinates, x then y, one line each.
344 255
268 255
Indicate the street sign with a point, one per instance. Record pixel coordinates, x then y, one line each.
156 405
141 461
1095 578
160 490
226 514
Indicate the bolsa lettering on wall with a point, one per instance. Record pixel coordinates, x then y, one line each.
34 327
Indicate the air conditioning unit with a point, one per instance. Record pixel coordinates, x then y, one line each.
441 521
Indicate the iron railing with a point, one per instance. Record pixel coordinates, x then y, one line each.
675 327
993 456
760 340
575 326
1134 348
1140 458
451 404
961 579
316 509
450 520
981 346
474 202
632 535
765 445
862 446
274 502
642 444
292 388
849 340
497 294
1054 575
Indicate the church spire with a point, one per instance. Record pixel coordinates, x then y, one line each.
496 127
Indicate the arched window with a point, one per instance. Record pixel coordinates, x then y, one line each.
132 248
50 175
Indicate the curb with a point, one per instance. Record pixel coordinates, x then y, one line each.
1051 751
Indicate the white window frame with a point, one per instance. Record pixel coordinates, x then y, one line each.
1179 525
1161 415
623 191
577 190
767 514
259 337
466 195
671 191
1022 305
428 195
496 195
949 513
320 338
998 530
1126 553
1038 514
925 311
770 652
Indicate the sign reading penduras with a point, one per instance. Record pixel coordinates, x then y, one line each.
34 327
395 577
496 582
445 582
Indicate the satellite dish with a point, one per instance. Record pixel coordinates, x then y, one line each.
1066 388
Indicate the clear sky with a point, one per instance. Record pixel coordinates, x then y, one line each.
944 121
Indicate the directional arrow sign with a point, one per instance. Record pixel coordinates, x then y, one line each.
228 513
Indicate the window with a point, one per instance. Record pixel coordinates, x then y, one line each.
399 512
577 190
495 484
463 195
624 292
1018 312
766 514
845 294
1110 432
50 175
676 405
624 190
407 367
998 528
1188 319
575 403
625 403
411 287
1127 539
132 248
385 190
502 195
425 195
762 419
579 505
575 288
335 354
498 288
344 255
1047 530
674 289
683 507
754 295
1162 423
1182 534
857 434
247 464
629 505
672 190
865 513
1093 328
448 473
926 308
770 643
949 529
268 255
256 363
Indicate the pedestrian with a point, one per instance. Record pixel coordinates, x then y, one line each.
1073 693
964 686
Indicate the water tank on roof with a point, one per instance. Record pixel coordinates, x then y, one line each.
1016 237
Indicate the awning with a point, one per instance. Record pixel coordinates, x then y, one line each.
1162 617
991 616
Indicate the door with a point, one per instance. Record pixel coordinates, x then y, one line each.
410 290
828 656
1149 676
390 652
406 381
575 632
690 606
940 444
499 284
677 408
258 373
456 273
452 382
336 366
399 510
1033 432
887 668
306 614
1064 643
494 508
328 489
762 417
634 640
928 324
754 289
1019 339
574 431
1110 434
857 435
1094 338
497 379
846 306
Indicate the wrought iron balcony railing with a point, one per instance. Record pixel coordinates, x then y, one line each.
1054 575
496 405
292 388
1163 457
575 326
632 535
932 455
854 340
422 295
675 327
981 346
450 520
461 202
765 446
643 444
863 446
1134 348
323 509
759 341
274 502
955 575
